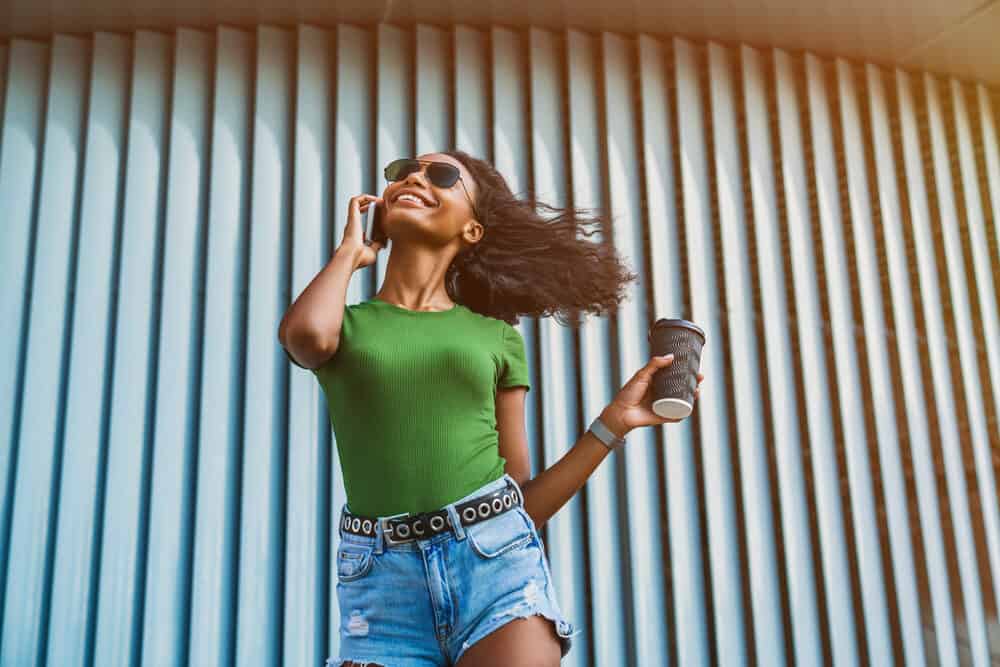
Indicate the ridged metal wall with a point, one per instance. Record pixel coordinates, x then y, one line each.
170 488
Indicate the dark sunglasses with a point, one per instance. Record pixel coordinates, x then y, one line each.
441 174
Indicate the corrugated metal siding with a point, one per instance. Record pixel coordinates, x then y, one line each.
170 492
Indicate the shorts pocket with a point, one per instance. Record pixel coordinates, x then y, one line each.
499 534
354 560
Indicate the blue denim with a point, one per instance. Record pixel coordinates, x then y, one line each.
424 603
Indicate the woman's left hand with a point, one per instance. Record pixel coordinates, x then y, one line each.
633 406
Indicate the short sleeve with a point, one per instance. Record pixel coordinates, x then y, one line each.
513 361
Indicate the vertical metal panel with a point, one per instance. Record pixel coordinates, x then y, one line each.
743 345
991 149
782 400
881 397
354 113
472 91
4 60
891 213
511 149
119 594
940 363
955 265
20 163
258 638
602 626
309 520
87 376
46 355
434 106
689 631
171 484
712 421
843 638
510 134
632 349
173 443
846 364
214 575
394 134
560 414
975 224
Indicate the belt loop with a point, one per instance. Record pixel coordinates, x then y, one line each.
378 535
456 522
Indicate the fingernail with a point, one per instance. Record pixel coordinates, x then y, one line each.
667 356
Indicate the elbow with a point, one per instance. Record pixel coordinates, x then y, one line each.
300 336
308 347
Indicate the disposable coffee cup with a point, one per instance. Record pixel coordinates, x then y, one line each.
673 386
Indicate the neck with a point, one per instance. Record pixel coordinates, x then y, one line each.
414 278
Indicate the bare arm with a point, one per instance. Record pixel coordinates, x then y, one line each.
310 328
545 494
631 408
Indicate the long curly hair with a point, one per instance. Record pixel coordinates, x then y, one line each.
527 264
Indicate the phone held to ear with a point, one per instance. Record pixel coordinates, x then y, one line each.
373 223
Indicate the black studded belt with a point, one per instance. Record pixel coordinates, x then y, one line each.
427 524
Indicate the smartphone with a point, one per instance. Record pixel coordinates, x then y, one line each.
373 223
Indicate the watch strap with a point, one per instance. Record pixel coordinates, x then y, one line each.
605 434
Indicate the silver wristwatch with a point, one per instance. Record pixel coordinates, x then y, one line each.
605 435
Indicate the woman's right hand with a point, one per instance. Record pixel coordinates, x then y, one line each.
354 232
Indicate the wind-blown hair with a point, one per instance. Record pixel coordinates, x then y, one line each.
527 264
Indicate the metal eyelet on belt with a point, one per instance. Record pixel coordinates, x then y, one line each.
508 501
367 526
498 504
403 530
355 524
484 509
418 527
439 525
466 514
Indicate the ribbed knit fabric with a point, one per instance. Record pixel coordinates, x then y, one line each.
412 398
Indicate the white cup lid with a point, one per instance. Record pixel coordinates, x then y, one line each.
672 408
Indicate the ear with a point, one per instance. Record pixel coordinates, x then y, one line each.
473 231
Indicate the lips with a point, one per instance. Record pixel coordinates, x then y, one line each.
424 199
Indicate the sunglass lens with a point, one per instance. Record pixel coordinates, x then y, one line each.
400 169
442 175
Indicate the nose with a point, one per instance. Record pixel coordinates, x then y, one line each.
422 172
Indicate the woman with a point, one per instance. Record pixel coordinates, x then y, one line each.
426 385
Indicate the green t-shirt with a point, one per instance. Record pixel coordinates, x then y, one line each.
412 402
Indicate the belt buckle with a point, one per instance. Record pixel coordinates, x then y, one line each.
387 531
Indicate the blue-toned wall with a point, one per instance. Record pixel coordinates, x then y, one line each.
169 483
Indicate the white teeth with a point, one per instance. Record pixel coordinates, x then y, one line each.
412 198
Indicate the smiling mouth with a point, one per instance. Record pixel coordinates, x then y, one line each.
410 202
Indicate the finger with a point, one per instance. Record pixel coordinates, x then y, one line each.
645 374
654 364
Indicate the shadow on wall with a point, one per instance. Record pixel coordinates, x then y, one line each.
916 540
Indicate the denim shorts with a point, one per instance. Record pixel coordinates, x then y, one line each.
423 603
